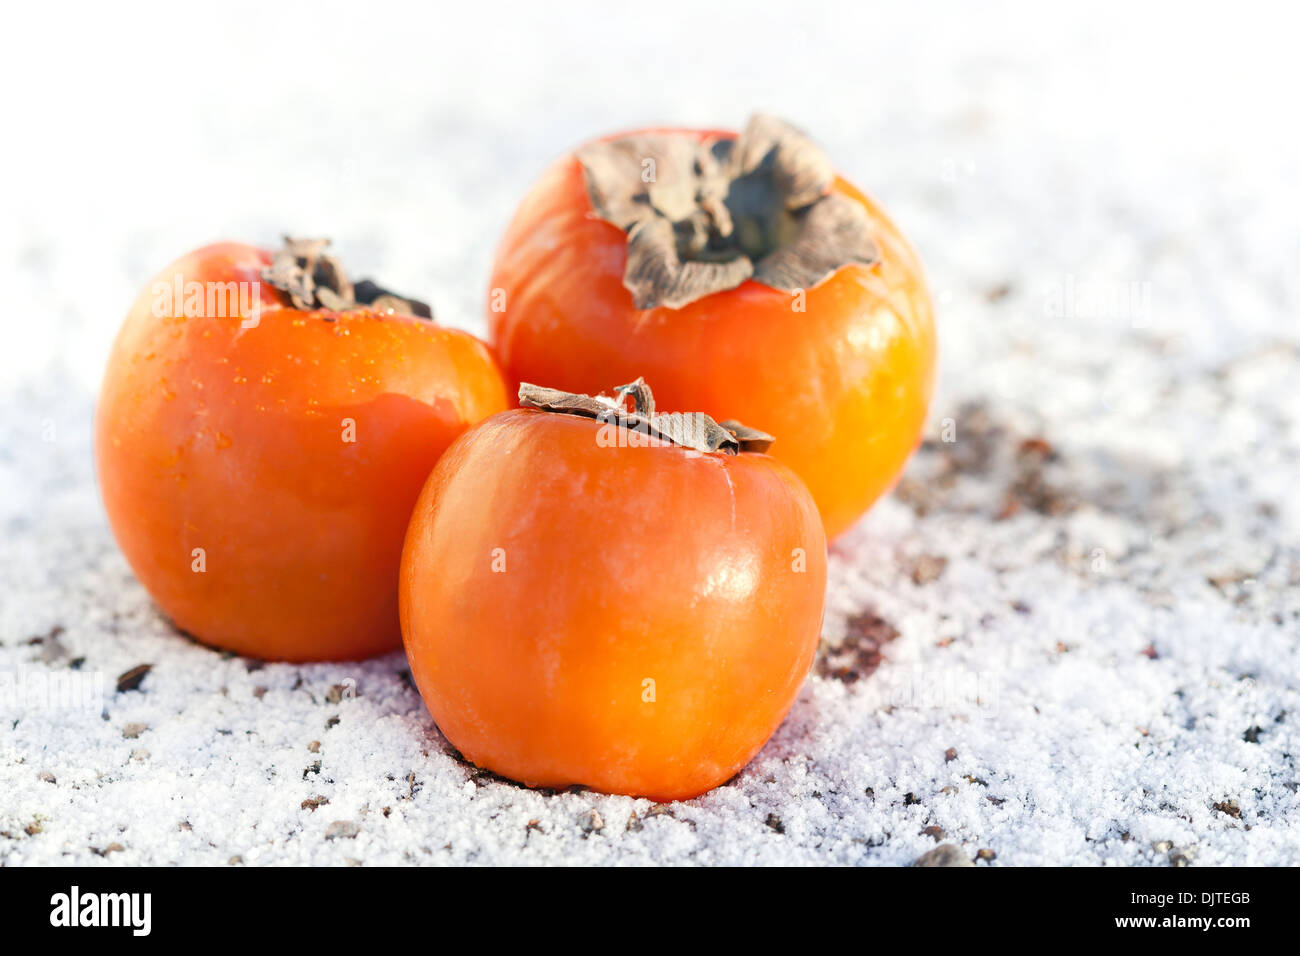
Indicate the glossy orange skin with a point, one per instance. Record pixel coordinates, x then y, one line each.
231 440
844 386
546 578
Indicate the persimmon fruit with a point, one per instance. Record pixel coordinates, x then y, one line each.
259 450
742 277
585 602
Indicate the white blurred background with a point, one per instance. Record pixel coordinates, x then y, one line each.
1020 145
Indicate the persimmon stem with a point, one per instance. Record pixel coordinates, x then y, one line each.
643 399
705 216
316 280
693 430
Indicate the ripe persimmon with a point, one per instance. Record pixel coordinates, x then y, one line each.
261 437
628 602
742 277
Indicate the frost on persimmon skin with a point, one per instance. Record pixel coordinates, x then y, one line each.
634 620
845 384
233 440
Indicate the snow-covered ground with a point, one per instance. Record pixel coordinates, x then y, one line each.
1071 636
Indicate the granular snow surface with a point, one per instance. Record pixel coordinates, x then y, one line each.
1071 635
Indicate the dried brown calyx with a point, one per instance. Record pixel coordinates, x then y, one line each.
703 217
693 430
315 280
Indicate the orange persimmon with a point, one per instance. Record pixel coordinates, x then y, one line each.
742 277
587 602
259 453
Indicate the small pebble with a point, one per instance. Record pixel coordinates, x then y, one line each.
131 680
342 830
1182 856
1229 807
945 854
927 568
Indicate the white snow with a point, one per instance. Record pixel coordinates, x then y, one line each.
1107 207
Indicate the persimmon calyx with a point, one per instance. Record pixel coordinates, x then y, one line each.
315 280
693 430
705 216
